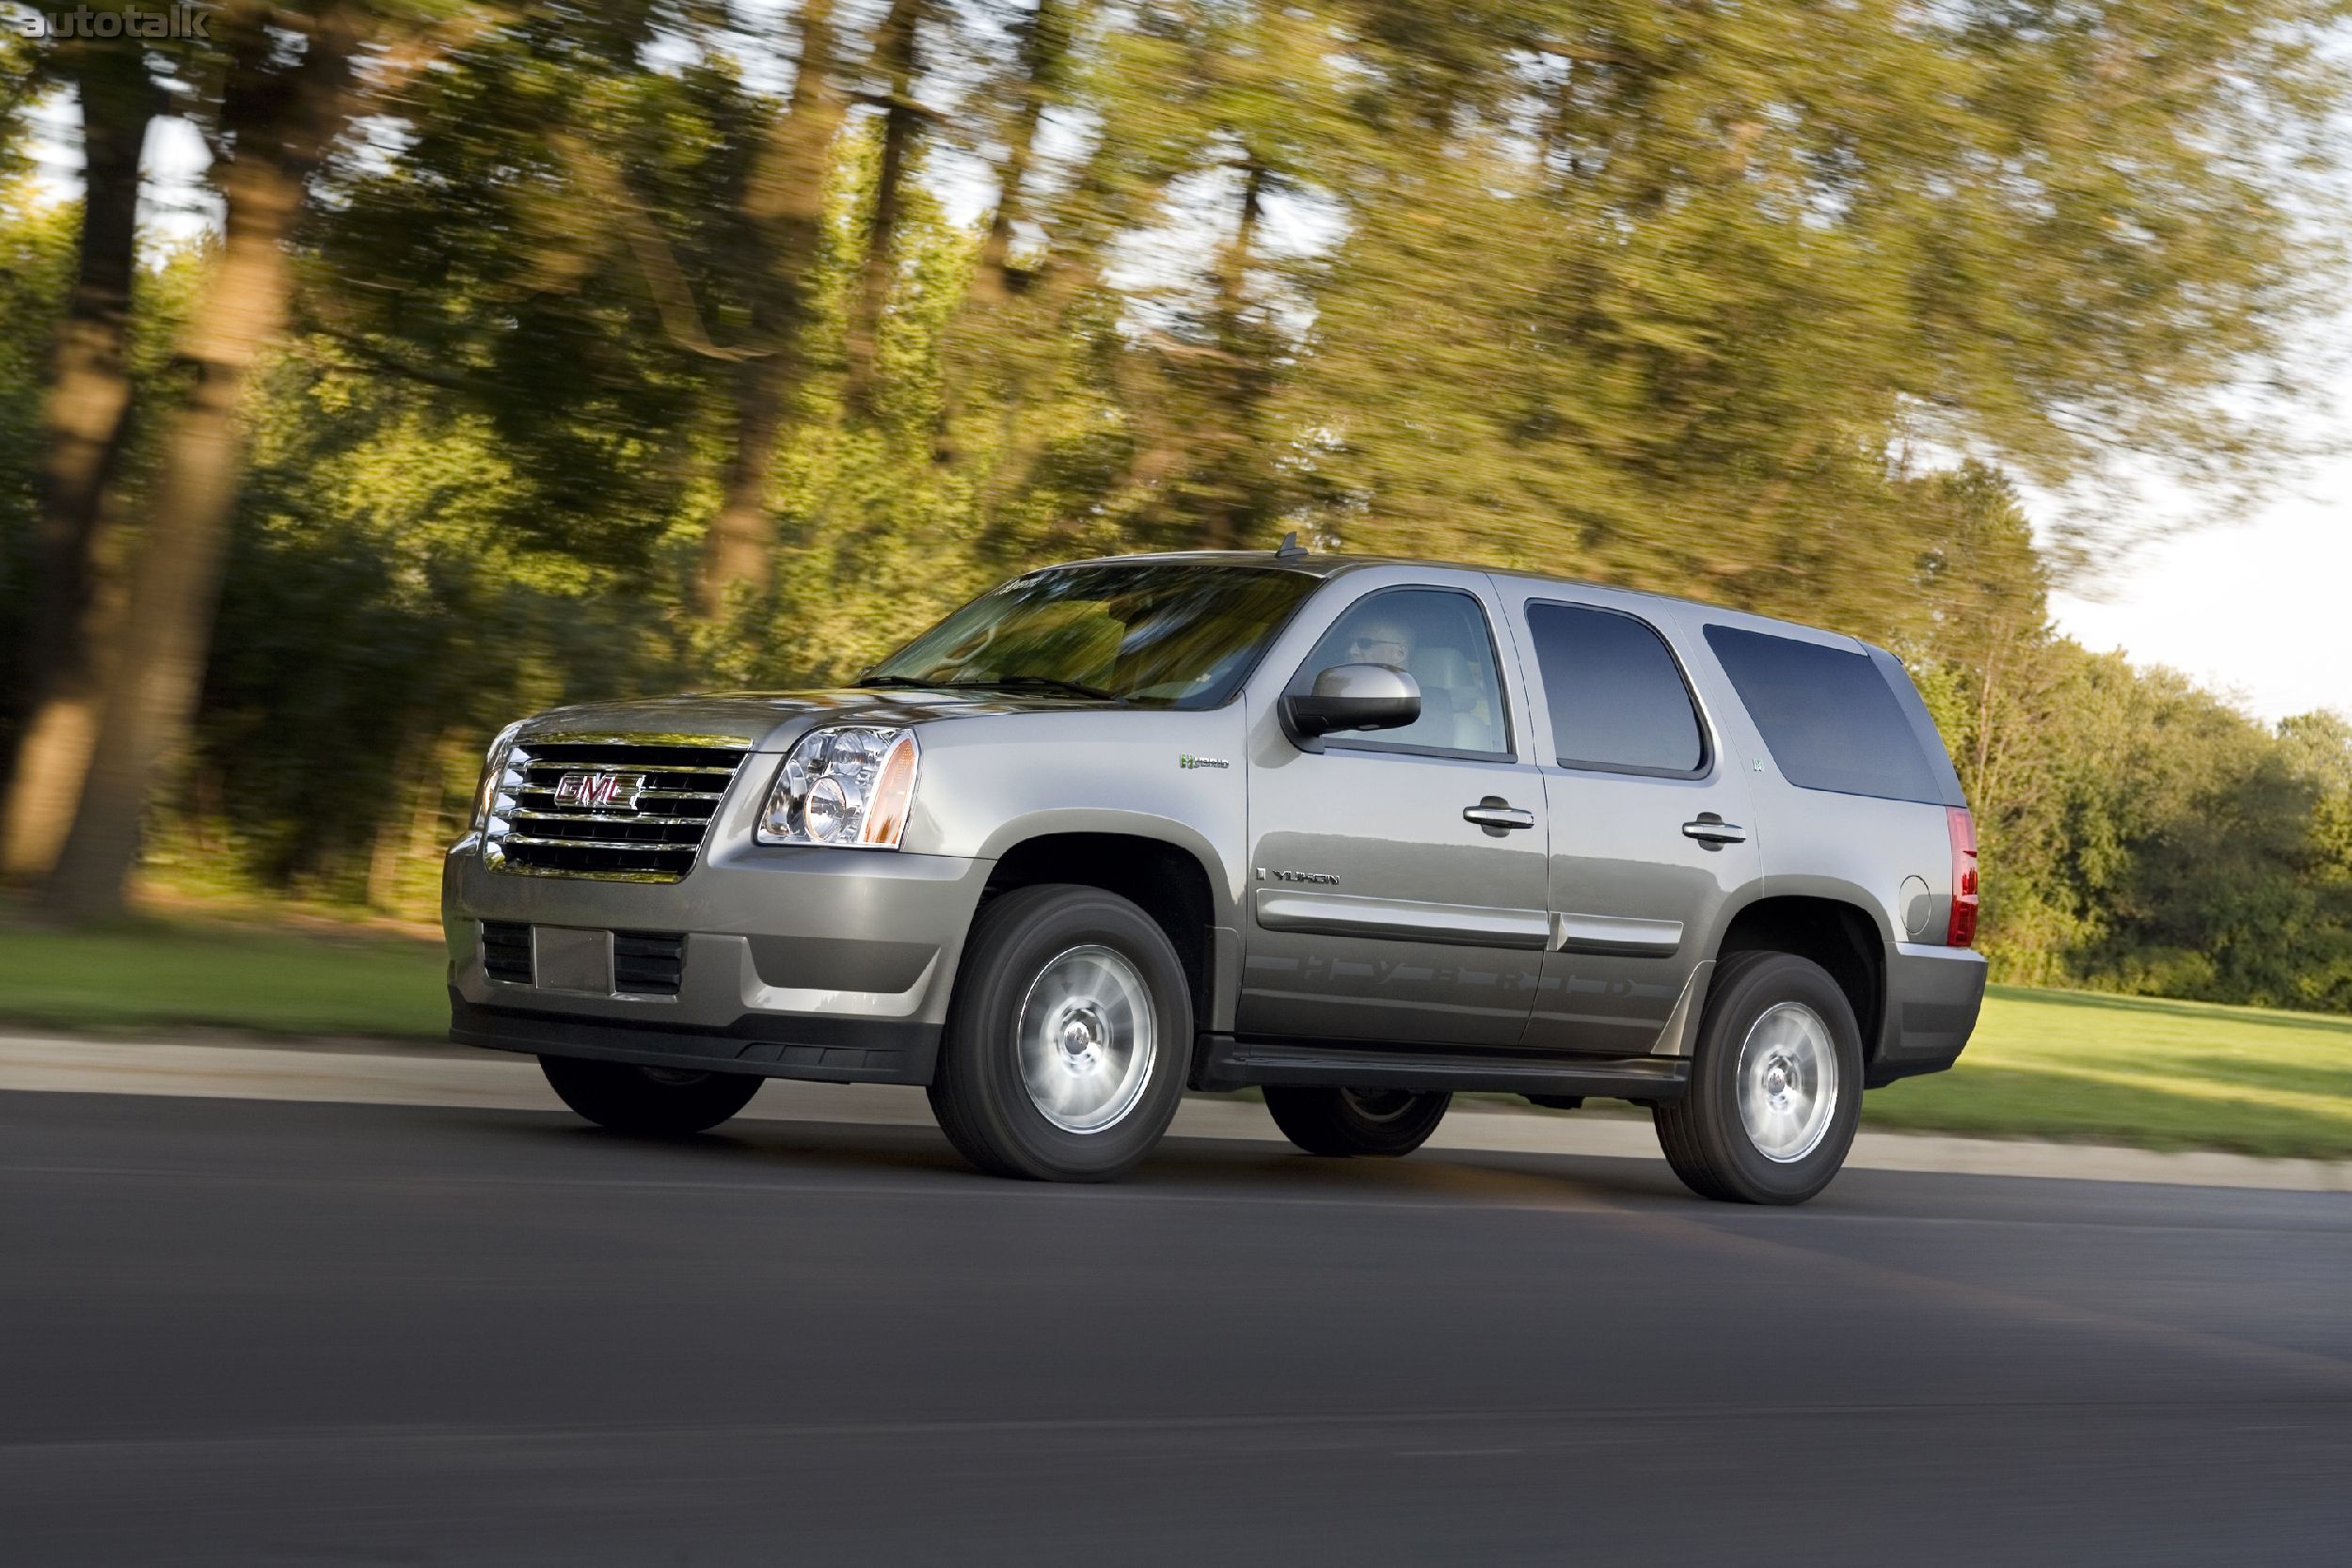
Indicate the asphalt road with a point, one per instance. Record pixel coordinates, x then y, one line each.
271 1333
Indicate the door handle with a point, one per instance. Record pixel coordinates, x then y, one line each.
1498 816
1711 830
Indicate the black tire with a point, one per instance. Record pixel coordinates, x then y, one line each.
1705 1138
981 1093
654 1102
1386 1122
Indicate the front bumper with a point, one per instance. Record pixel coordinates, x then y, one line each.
1933 998
828 964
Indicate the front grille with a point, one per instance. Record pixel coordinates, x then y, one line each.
642 813
507 951
648 963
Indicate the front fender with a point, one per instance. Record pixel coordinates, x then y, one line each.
1176 778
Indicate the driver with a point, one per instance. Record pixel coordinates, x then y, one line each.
1381 640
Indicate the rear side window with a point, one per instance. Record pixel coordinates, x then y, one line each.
1828 715
1616 697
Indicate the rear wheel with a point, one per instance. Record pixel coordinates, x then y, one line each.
1775 1084
1355 1121
1069 1037
653 1101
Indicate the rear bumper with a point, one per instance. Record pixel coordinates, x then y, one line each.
829 964
1933 997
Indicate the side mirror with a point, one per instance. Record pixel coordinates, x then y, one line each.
1352 697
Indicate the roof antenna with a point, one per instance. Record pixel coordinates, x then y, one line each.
1289 548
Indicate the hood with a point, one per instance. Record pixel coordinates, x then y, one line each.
771 721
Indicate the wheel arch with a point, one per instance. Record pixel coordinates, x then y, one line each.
1169 881
1839 934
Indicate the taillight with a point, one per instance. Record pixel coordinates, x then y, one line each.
1961 931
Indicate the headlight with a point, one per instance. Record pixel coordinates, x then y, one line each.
493 771
848 786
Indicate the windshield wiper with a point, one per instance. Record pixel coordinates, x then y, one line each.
895 680
1043 683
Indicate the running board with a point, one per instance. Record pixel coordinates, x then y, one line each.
1226 1062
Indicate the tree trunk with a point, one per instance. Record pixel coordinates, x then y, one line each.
894 57
978 337
784 204
1043 42
1239 378
282 119
84 423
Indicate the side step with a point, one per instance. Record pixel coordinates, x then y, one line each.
1228 1062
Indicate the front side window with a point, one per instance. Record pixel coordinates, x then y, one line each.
1158 635
1439 638
1615 696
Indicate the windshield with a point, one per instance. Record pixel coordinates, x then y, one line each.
1159 634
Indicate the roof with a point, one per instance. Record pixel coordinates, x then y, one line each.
1330 566
1310 563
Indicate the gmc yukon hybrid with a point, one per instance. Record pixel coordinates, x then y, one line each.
1359 832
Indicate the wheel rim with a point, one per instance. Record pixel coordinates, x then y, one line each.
1087 1039
1380 1105
1787 1082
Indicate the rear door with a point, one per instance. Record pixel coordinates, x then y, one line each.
1651 828
1396 876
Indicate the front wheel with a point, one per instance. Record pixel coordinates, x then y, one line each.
1069 1037
1387 1122
1775 1084
652 1101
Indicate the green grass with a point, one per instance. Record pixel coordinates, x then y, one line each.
2132 1070
2043 1064
155 974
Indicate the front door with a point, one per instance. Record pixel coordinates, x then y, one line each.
1651 831
1396 876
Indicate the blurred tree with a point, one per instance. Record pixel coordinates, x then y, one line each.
783 208
895 71
1659 290
280 90
70 623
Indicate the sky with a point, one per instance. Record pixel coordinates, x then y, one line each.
2259 610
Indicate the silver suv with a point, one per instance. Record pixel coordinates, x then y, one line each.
1359 833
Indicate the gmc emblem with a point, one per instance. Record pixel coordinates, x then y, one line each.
599 791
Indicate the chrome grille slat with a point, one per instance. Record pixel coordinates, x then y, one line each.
622 817
642 794
651 846
657 840
537 764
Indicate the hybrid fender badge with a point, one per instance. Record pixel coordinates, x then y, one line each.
1188 760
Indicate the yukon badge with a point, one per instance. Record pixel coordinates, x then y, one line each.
1321 879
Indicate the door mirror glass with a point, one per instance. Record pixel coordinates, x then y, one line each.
1353 697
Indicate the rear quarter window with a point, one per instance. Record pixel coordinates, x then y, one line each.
1828 716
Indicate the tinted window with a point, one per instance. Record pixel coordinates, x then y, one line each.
1438 637
1828 715
1155 634
1616 694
